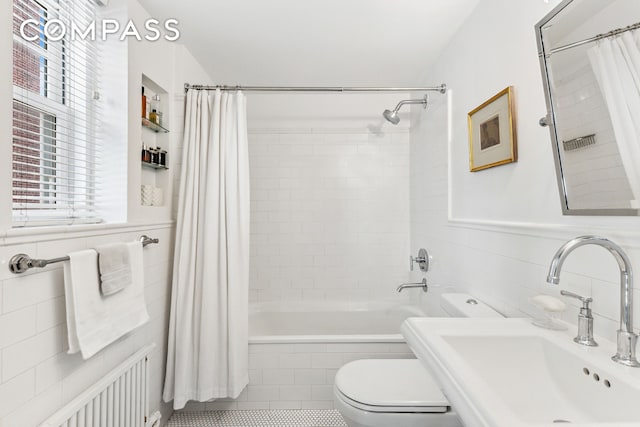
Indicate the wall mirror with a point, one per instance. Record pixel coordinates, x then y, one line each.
590 61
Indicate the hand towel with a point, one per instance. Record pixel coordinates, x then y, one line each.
114 266
93 321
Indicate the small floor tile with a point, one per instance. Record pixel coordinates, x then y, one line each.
258 418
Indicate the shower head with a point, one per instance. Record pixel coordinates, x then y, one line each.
392 116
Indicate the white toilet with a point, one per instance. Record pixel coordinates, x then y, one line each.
400 392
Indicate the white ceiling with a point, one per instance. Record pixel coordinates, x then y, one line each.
315 42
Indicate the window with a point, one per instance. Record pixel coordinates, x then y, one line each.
55 148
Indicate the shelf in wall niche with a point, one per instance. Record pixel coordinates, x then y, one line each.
153 126
155 135
154 166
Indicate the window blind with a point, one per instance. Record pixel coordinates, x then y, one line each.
56 151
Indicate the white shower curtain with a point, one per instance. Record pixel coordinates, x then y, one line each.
616 64
208 330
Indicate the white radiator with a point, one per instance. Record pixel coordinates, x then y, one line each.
120 399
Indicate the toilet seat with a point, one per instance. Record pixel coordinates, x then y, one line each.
391 386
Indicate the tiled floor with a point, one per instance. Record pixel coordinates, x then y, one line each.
263 418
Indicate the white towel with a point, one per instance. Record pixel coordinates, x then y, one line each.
114 265
93 322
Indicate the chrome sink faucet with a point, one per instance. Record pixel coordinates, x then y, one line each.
626 354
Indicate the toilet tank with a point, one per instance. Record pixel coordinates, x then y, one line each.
465 305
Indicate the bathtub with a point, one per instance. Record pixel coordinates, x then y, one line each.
296 348
335 322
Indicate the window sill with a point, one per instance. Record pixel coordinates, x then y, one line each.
38 234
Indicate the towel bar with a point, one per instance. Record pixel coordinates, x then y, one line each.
20 263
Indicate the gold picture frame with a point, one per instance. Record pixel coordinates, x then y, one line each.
492 136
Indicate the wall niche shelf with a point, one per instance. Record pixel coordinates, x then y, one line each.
153 126
155 176
154 166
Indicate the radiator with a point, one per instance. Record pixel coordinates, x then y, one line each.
120 399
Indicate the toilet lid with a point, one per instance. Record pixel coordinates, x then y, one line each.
384 385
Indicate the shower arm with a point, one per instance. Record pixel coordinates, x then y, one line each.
422 101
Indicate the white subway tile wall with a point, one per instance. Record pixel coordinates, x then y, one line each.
298 376
329 215
38 376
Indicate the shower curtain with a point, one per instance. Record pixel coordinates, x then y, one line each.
208 329
616 64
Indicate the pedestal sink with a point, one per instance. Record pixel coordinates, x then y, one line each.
509 373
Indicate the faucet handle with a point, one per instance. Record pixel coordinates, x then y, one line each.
585 300
585 320
423 260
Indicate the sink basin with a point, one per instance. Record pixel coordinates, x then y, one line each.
507 372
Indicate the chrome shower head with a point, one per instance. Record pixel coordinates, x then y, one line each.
392 116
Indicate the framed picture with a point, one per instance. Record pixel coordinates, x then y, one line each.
492 137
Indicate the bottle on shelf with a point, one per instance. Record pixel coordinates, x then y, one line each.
155 107
163 157
153 117
145 153
155 156
144 104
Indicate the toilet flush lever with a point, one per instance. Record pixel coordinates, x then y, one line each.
423 260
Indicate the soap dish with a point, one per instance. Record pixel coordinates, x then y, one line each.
551 308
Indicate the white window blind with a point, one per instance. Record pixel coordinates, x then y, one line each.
56 152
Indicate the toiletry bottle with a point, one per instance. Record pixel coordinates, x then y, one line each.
144 104
155 106
146 154
163 157
153 116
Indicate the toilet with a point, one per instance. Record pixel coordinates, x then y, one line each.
400 392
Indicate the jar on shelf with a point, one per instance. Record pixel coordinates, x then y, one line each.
162 157
153 155
146 154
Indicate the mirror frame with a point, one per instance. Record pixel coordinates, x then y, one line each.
550 121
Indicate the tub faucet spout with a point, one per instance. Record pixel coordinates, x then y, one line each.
626 354
422 285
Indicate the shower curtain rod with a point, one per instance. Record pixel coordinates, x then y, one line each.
595 38
442 88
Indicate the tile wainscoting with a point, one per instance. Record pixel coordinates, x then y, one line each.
298 376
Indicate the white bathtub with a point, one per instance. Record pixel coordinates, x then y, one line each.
296 348
335 322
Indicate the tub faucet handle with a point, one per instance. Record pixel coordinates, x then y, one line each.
423 260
